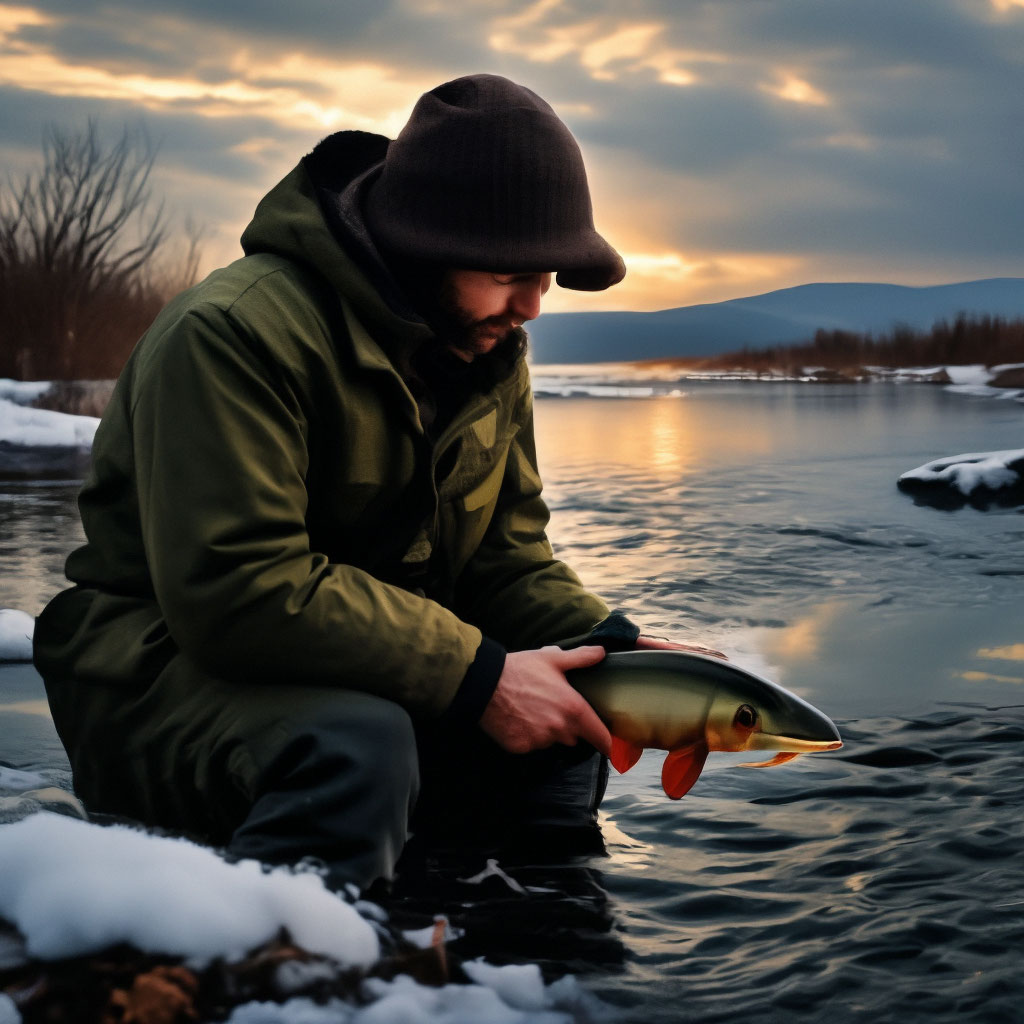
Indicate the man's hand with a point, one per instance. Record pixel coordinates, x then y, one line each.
654 643
533 706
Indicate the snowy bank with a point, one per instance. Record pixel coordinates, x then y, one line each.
502 995
979 476
22 426
79 397
661 379
72 888
40 442
16 629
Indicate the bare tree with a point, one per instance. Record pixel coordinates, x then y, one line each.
77 246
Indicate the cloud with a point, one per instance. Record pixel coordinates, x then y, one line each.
290 87
730 145
1012 652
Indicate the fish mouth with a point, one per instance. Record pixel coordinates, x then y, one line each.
791 744
788 748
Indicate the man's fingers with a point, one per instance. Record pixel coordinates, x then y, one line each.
578 657
588 726
594 731
655 643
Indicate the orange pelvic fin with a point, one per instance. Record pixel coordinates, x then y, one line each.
682 768
624 754
777 759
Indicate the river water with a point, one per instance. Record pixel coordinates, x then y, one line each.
885 881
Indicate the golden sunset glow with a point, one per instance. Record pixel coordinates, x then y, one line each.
363 96
989 677
802 640
796 90
709 195
14 18
851 140
1014 652
664 280
625 44
27 707
606 47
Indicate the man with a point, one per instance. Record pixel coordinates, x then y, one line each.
316 568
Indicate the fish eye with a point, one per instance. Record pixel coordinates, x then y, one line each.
746 717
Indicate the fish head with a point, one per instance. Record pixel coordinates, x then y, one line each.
750 713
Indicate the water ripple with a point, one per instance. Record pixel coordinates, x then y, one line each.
894 886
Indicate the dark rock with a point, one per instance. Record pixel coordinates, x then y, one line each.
1012 377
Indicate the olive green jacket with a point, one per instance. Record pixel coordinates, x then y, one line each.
264 500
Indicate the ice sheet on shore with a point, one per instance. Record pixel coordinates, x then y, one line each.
970 472
16 629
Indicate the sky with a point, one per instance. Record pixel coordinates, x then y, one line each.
733 146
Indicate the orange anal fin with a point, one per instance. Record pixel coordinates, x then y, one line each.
624 754
777 759
682 768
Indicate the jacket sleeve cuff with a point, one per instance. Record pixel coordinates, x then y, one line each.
614 633
478 684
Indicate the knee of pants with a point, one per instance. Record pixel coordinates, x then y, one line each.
367 739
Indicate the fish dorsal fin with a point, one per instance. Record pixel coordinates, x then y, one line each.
682 768
624 754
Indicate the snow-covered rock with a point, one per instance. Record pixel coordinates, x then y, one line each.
970 475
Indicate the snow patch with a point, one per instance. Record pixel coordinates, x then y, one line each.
520 985
295 1011
73 888
499 995
969 472
16 629
31 428
22 392
8 1010
969 374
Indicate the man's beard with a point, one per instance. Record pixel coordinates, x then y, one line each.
458 330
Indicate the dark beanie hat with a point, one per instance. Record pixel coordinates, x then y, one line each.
486 177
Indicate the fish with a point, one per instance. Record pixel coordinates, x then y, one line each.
691 704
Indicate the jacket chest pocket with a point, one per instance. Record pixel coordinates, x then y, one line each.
486 491
470 510
471 468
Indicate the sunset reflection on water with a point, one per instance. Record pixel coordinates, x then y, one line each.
670 437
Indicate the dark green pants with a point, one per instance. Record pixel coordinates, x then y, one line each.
283 772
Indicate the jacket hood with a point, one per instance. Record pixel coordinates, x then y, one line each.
312 217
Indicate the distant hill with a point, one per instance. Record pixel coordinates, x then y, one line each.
775 318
